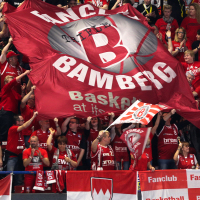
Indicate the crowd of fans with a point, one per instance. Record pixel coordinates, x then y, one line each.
80 144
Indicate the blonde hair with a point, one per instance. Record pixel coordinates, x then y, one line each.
184 144
103 135
167 7
197 9
189 52
7 77
176 34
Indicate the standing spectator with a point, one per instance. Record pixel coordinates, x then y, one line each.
180 44
9 104
102 154
183 159
10 65
75 140
33 159
92 128
167 140
149 11
43 134
196 46
194 66
27 110
167 23
63 158
192 22
178 9
15 145
120 148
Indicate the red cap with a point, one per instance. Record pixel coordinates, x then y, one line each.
11 53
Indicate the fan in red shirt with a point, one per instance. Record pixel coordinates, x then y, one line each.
16 145
192 22
10 65
63 158
44 132
75 140
33 159
194 66
102 154
183 159
9 103
27 110
167 22
92 127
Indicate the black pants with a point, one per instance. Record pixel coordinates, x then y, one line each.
6 121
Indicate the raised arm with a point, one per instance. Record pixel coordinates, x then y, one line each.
153 130
177 152
26 97
49 140
28 123
4 51
166 117
65 123
18 78
87 124
170 47
58 129
96 141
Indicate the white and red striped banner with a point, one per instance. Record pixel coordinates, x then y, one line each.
5 187
105 185
170 184
140 112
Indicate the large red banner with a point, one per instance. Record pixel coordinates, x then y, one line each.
89 61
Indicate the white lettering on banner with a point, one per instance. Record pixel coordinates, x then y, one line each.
64 64
113 101
170 141
193 177
198 197
168 198
84 11
162 179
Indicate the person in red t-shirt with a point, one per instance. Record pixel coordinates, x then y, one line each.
183 159
103 4
43 134
27 111
75 140
9 104
167 22
63 158
33 159
194 66
10 65
192 22
102 154
167 134
92 127
15 144
196 46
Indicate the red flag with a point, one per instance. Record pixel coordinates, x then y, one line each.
89 61
106 185
136 140
6 187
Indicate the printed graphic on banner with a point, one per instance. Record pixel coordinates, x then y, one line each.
140 112
136 140
106 185
101 188
85 71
